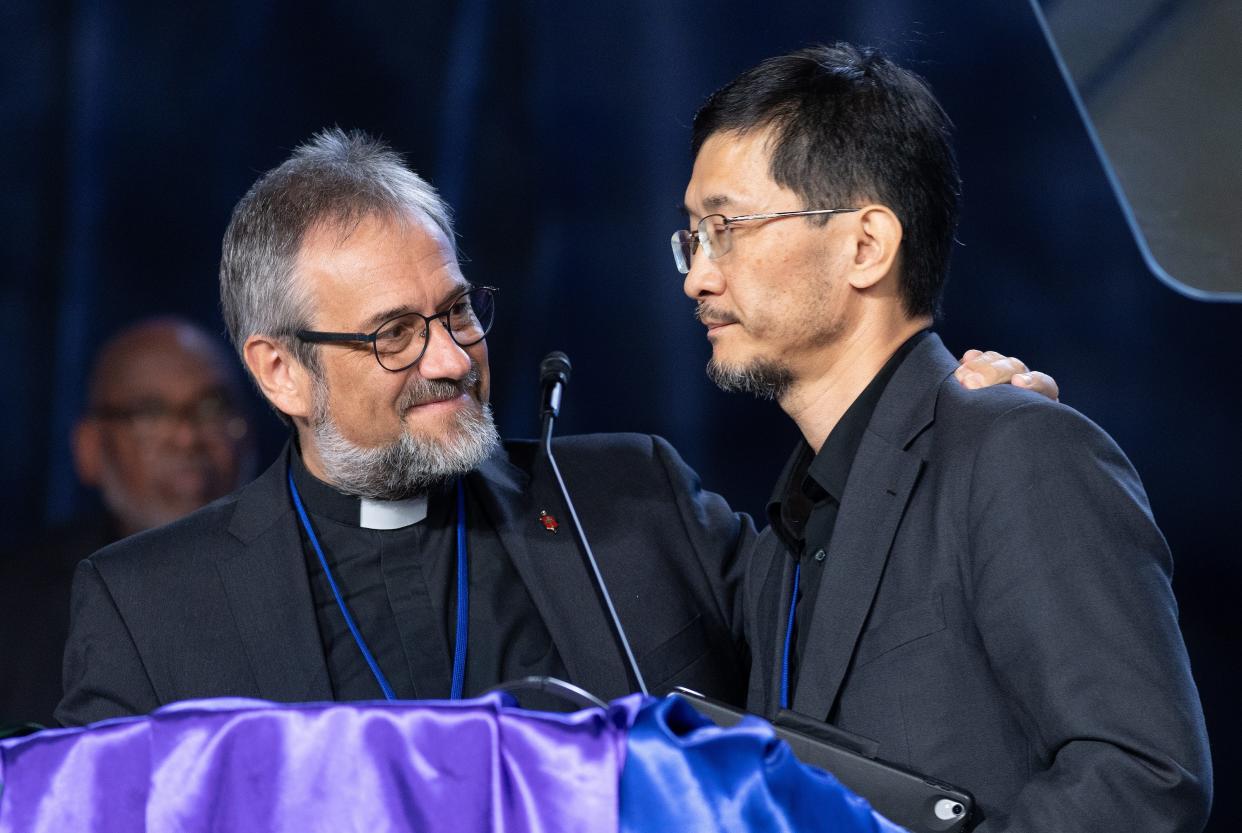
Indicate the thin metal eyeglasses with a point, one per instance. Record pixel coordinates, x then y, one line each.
715 233
400 341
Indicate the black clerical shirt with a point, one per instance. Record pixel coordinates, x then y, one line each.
400 586
803 507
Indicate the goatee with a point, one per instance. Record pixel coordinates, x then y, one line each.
411 464
763 378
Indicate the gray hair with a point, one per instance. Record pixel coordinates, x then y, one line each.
336 179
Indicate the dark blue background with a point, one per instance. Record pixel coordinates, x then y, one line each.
559 132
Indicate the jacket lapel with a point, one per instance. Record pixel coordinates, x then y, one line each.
554 571
269 595
875 498
882 479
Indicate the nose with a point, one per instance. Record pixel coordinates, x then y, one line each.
443 358
183 430
704 278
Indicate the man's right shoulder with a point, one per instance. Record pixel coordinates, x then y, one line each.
216 531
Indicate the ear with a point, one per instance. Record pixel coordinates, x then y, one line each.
281 377
87 442
877 241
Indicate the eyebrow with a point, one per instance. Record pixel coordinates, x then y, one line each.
392 312
711 203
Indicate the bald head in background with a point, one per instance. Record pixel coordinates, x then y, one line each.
163 433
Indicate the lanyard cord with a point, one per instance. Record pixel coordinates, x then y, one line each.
463 598
789 629
463 595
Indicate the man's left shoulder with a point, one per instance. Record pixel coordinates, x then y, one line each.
605 450
1001 440
1004 414
614 466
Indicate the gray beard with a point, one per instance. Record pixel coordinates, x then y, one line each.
411 464
764 378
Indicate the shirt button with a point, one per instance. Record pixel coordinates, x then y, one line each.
820 555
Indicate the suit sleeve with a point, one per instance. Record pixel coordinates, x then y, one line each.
103 673
1073 602
721 538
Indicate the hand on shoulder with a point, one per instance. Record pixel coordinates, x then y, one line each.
980 369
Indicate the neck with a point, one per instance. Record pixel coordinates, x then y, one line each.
310 454
821 394
126 528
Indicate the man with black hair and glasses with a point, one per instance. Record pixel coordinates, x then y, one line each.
972 580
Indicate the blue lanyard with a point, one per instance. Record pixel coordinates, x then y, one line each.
789 629
463 596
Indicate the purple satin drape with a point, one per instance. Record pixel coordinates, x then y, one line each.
244 765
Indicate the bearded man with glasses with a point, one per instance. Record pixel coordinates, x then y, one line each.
396 548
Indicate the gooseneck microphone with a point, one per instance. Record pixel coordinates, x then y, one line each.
553 377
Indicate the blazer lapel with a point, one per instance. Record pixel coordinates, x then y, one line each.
883 477
555 573
879 487
268 592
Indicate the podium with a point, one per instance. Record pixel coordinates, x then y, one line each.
641 764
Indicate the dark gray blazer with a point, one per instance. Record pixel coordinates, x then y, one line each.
996 611
219 604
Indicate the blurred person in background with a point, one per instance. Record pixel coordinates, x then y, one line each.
163 433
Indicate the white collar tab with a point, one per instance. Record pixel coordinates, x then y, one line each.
391 514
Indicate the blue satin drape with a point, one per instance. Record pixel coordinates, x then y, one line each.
685 773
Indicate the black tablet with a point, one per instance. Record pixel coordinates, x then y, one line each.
917 802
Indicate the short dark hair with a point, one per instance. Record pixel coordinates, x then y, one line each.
851 125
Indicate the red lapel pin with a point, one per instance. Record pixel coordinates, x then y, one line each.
549 523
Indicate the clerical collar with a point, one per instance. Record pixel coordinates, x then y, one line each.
322 499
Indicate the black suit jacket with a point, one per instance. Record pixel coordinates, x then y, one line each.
219 604
996 611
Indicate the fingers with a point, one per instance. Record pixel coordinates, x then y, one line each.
981 369
970 356
1041 383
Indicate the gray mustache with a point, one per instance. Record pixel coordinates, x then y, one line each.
423 391
704 313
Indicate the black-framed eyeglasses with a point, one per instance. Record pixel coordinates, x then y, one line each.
715 233
401 341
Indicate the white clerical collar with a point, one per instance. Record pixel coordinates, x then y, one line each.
391 514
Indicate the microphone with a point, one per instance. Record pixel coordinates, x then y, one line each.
553 376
